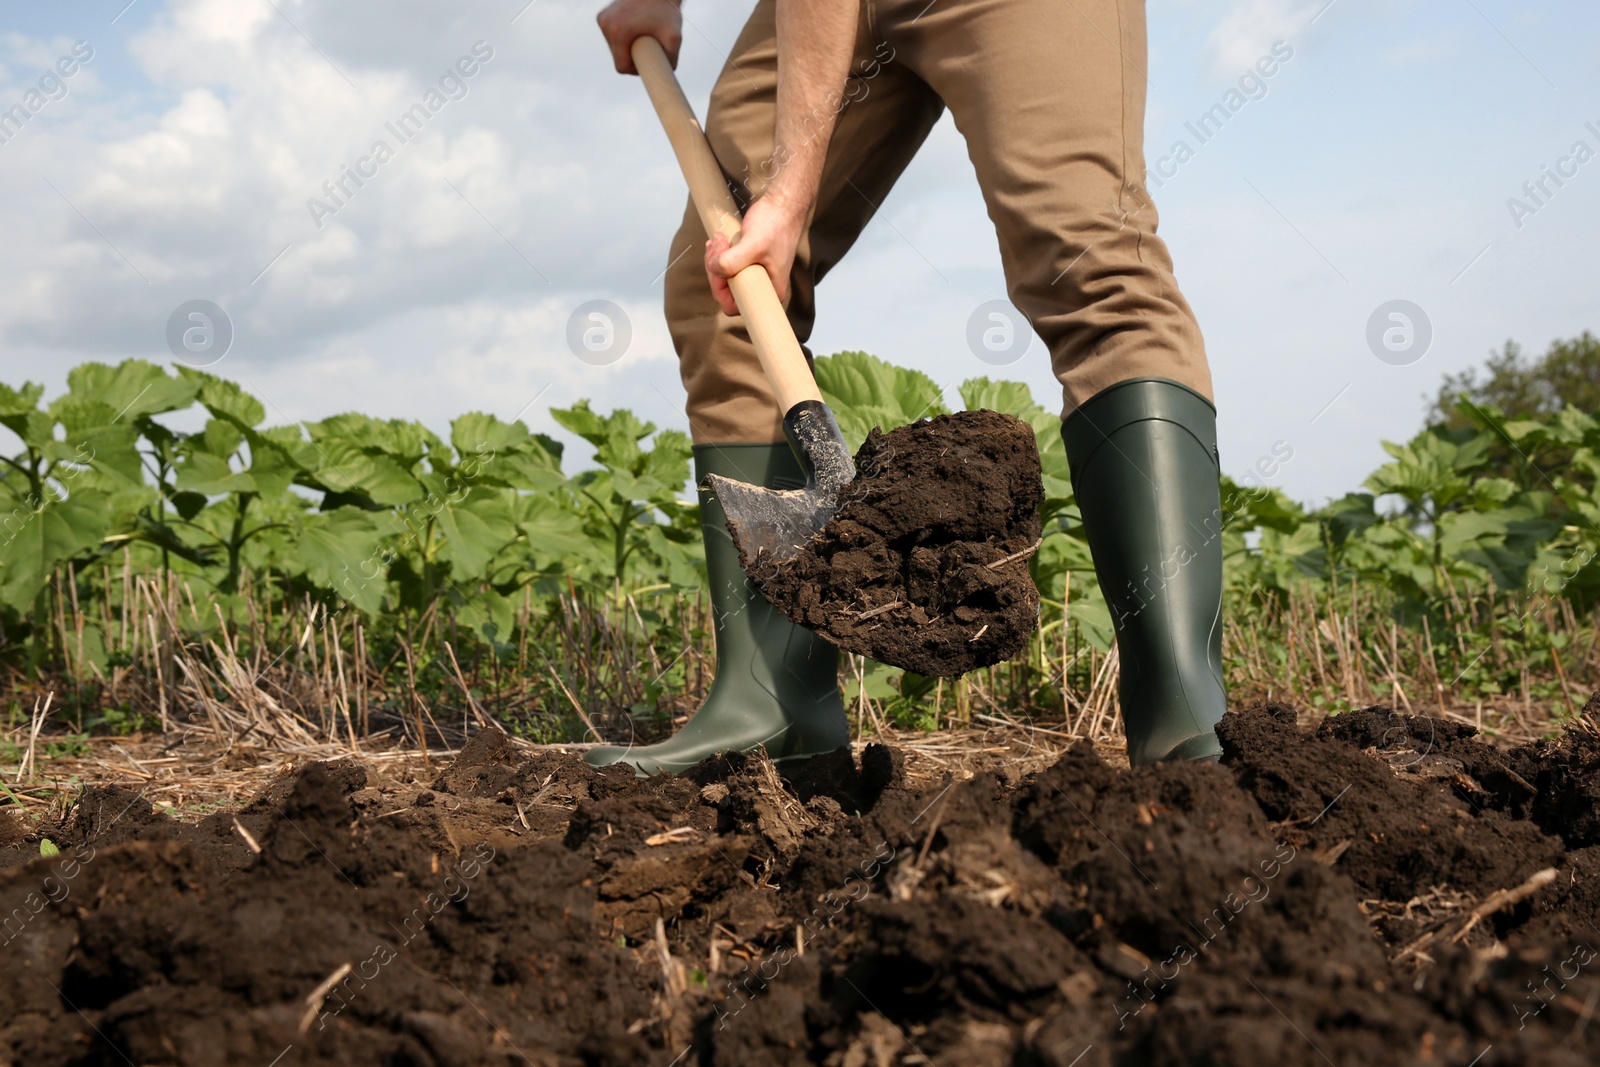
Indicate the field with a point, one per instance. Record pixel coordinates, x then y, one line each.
331 581
292 768
1380 890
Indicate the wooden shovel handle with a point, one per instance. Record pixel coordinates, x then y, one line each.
764 317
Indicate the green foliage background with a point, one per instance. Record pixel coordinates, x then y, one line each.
386 518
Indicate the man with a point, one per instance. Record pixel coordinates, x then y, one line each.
820 107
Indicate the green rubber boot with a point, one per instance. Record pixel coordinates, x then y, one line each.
777 684
1143 455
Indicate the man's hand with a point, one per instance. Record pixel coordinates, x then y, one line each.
625 21
769 236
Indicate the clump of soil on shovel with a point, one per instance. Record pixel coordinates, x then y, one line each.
925 564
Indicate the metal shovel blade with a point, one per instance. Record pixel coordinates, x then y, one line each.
778 522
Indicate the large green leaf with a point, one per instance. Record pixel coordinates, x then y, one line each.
1090 612
24 401
404 443
662 471
599 430
110 452
616 436
211 476
1295 555
344 467
221 437
475 529
533 465
554 531
480 434
202 472
132 389
490 613
670 560
1504 541
225 399
340 551
1348 516
1260 507
34 542
1012 398
866 392
19 413
289 440
272 468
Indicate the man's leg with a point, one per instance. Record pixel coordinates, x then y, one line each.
1050 98
886 117
776 684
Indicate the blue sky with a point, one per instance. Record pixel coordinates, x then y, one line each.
1377 166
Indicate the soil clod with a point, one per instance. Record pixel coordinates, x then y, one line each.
925 563
1375 891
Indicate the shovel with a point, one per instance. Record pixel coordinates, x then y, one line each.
776 522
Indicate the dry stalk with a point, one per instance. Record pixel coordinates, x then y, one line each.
674 975
483 719
249 838
315 998
1496 901
39 715
1022 554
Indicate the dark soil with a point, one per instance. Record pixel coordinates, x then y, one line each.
1297 904
932 506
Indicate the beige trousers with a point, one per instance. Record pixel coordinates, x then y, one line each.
1049 95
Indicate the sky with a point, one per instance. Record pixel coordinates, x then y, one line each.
1395 155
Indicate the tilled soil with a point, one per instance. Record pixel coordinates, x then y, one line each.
1308 901
925 563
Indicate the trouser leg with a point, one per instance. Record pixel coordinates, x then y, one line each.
776 683
1050 99
886 114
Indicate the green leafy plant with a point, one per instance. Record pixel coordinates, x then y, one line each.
1477 533
630 506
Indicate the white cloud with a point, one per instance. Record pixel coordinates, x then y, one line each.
198 197
1251 27
414 300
